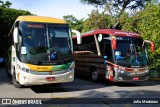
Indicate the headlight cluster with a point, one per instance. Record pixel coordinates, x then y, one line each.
123 72
71 68
25 69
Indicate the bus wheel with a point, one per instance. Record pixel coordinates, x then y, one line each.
94 75
15 82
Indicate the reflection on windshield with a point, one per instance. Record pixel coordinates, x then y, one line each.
130 53
45 42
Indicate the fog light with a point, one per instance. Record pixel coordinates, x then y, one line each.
70 77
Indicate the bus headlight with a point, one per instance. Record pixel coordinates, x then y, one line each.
23 69
70 69
123 72
26 69
120 71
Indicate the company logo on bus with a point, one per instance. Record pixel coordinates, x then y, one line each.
44 68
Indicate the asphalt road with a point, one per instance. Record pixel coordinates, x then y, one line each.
85 93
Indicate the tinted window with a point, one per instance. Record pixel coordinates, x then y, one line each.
88 44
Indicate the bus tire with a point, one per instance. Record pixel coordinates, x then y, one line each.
15 82
94 74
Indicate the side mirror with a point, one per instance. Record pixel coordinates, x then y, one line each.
79 38
151 43
114 43
15 35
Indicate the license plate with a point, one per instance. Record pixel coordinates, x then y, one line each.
135 78
50 79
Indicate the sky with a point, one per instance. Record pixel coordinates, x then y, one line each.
54 8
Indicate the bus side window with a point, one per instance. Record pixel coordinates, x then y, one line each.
89 44
102 43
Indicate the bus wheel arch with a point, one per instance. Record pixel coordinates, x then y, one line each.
94 74
14 80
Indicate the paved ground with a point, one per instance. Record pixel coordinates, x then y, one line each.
84 90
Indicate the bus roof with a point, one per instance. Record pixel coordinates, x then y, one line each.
40 19
110 32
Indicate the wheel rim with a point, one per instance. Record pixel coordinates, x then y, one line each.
94 75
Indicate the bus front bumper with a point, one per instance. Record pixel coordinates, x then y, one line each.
28 79
128 78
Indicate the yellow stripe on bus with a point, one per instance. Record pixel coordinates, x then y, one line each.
39 68
41 19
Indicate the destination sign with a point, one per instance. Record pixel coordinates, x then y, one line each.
35 25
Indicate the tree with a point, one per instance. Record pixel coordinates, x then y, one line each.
6 4
74 23
147 23
115 8
121 5
96 20
7 18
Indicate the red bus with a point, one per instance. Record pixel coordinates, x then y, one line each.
112 54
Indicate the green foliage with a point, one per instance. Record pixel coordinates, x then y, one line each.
74 23
118 5
93 2
7 18
6 4
96 20
115 8
147 23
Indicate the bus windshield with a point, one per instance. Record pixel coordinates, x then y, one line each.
45 42
130 52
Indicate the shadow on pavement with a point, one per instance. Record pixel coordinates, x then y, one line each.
138 83
4 79
78 84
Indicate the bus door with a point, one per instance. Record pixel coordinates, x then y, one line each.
108 57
